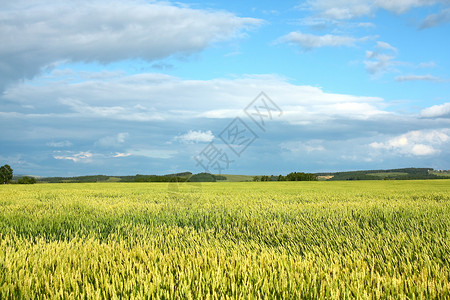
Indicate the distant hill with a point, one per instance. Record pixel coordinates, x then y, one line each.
176 177
183 174
398 174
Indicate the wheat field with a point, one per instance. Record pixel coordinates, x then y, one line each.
253 240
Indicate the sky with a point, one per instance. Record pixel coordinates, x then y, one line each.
229 87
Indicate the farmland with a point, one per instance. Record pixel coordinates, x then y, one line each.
366 239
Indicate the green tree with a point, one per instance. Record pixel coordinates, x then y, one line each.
6 174
26 180
202 177
294 176
265 178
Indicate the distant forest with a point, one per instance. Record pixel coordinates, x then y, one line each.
178 177
398 174
391 174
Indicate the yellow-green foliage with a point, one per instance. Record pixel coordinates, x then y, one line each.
369 240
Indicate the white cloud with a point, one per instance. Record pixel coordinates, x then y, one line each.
350 9
157 97
437 111
196 136
352 110
339 10
112 141
309 41
433 20
118 154
366 25
60 144
121 137
133 113
81 156
357 158
382 59
421 149
312 146
430 64
417 78
221 113
46 32
403 5
418 143
386 46
153 153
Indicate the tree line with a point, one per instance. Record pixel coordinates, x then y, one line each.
293 176
6 176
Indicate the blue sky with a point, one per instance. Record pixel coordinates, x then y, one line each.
149 87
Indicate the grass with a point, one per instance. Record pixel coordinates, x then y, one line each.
285 240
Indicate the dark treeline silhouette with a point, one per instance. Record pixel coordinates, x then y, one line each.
294 176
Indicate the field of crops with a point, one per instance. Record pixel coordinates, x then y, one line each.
377 239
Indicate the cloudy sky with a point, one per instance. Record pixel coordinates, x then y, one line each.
149 87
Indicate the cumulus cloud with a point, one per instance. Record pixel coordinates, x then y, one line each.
193 136
158 97
418 143
309 41
417 78
81 156
40 35
437 111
